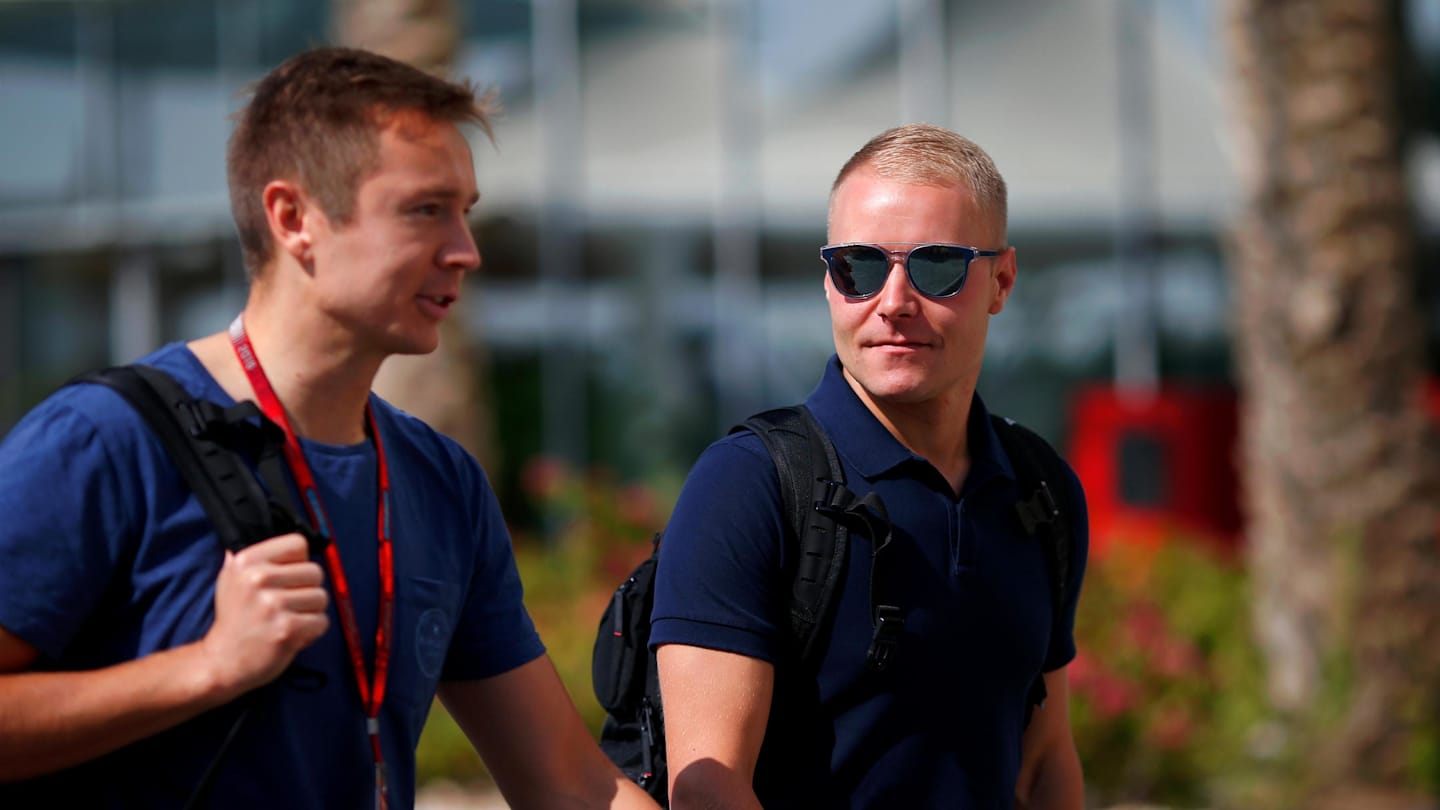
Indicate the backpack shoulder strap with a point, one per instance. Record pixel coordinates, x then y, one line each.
809 473
1040 513
205 443
822 512
200 438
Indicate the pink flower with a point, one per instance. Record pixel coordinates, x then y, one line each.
1082 671
542 478
1145 626
636 505
1113 696
1177 658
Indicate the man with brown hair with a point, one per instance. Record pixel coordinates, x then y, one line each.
127 633
974 630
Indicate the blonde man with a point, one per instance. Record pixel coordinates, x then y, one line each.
917 263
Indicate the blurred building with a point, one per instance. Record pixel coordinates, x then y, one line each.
653 207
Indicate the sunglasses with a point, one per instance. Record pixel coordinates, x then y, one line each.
859 270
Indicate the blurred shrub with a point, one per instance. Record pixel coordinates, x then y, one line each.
1166 690
597 529
1166 693
594 530
444 754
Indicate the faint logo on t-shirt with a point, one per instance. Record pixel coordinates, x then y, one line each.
432 638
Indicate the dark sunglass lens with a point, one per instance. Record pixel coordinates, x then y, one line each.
938 270
858 270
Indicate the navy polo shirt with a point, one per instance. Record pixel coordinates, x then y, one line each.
942 727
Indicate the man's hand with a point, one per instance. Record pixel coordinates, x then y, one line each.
270 604
1050 776
534 744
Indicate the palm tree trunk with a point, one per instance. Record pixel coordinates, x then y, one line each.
1341 476
445 387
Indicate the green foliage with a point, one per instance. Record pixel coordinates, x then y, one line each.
444 754
1166 691
1341 680
597 529
1424 762
600 529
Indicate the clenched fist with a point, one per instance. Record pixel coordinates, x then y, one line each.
270 604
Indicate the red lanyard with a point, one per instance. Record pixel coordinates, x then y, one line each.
371 694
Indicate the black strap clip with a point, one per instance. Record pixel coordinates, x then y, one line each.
1041 509
889 624
832 498
229 427
867 514
648 743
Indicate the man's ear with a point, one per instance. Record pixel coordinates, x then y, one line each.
1003 280
290 215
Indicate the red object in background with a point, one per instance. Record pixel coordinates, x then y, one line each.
1156 465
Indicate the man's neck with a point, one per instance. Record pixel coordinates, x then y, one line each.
320 377
937 430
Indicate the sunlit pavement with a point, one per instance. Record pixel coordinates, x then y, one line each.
453 797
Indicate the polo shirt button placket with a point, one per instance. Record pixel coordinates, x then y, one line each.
957 539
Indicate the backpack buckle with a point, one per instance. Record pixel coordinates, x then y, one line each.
198 419
1039 510
889 624
227 427
832 498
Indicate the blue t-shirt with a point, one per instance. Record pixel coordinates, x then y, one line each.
106 557
942 727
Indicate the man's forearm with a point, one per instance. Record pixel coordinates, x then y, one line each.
707 785
629 796
54 720
1058 783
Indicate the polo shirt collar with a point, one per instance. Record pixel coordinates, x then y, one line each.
873 451
987 455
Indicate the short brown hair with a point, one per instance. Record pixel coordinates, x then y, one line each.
316 119
925 154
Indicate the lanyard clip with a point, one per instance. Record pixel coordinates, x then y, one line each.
382 788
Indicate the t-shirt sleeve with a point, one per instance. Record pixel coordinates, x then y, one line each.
68 500
495 633
721 566
1062 644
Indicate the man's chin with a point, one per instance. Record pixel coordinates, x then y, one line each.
890 386
412 345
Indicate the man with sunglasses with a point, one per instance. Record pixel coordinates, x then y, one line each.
917 264
142 665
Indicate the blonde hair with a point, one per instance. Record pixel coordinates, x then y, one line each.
924 154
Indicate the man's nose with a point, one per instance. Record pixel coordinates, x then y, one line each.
897 296
461 253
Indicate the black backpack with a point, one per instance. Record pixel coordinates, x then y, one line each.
210 446
821 512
